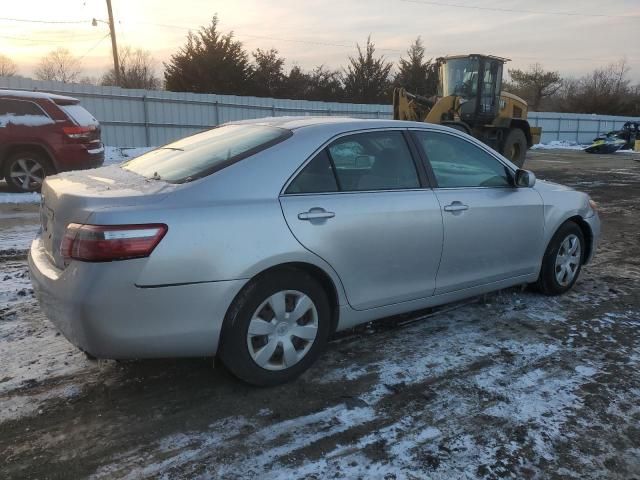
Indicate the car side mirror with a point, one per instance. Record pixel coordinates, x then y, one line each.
525 178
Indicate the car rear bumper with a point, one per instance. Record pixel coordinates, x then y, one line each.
98 308
79 157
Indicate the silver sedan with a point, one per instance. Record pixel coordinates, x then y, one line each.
256 240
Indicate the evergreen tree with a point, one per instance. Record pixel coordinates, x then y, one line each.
366 78
209 62
416 74
267 77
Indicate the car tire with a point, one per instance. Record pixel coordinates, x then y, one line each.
26 166
515 147
256 342
562 260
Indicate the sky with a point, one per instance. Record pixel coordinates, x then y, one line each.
571 36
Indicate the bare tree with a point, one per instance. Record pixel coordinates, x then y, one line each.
535 84
8 67
606 90
136 70
59 65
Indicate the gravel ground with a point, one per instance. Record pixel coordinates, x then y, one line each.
510 385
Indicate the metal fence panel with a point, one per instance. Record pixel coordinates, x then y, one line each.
135 118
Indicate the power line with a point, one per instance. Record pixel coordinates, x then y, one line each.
519 10
36 41
279 39
26 20
92 48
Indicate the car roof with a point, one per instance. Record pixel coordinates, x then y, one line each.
350 123
38 95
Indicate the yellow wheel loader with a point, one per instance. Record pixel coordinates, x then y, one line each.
470 99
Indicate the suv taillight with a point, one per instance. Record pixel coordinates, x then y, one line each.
106 243
79 133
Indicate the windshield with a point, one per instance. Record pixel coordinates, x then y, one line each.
204 153
460 77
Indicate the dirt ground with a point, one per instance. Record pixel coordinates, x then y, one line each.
511 385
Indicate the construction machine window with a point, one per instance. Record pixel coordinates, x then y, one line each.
461 77
491 86
457 163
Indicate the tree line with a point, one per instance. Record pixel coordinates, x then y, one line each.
211 61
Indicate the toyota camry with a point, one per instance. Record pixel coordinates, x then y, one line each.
255 241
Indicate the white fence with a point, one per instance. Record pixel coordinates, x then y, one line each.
135 118
575 127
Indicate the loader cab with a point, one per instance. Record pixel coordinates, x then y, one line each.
477 81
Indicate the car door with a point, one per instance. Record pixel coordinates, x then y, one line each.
492 230
362 206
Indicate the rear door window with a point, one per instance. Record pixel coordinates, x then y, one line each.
79 115
316 177
374 161
205 153
22 112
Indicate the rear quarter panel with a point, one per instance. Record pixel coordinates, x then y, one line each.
226 226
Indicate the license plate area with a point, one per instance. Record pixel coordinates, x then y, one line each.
46 226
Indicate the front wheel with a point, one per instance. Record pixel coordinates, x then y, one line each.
515 147
276 328
562 261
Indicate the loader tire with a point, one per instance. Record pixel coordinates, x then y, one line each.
515 147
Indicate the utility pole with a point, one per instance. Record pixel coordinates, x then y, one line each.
114 45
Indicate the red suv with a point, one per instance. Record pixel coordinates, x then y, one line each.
42 134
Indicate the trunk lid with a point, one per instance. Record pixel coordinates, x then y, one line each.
72 197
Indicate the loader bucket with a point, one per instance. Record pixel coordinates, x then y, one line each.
536 134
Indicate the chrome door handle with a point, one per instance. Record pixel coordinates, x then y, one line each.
456 207
315 213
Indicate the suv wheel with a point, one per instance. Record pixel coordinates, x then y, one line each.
25 170
276 328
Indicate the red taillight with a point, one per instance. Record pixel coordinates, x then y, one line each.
78 133
105 243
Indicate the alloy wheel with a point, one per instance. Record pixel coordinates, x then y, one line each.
27 174
282 330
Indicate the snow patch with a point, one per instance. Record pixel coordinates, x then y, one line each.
558 144
114 178
121 154
18 237
24 120
14 198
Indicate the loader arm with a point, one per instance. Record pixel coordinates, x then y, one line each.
417 108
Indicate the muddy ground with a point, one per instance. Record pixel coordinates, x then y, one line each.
511 385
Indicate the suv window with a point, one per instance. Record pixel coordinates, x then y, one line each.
79 115
22 112
373 161
316 177
205 153
458 163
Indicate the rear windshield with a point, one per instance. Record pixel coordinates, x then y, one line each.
204 153
79 115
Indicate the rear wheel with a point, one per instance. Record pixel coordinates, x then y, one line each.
562 261
276 328
25 170
515 147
